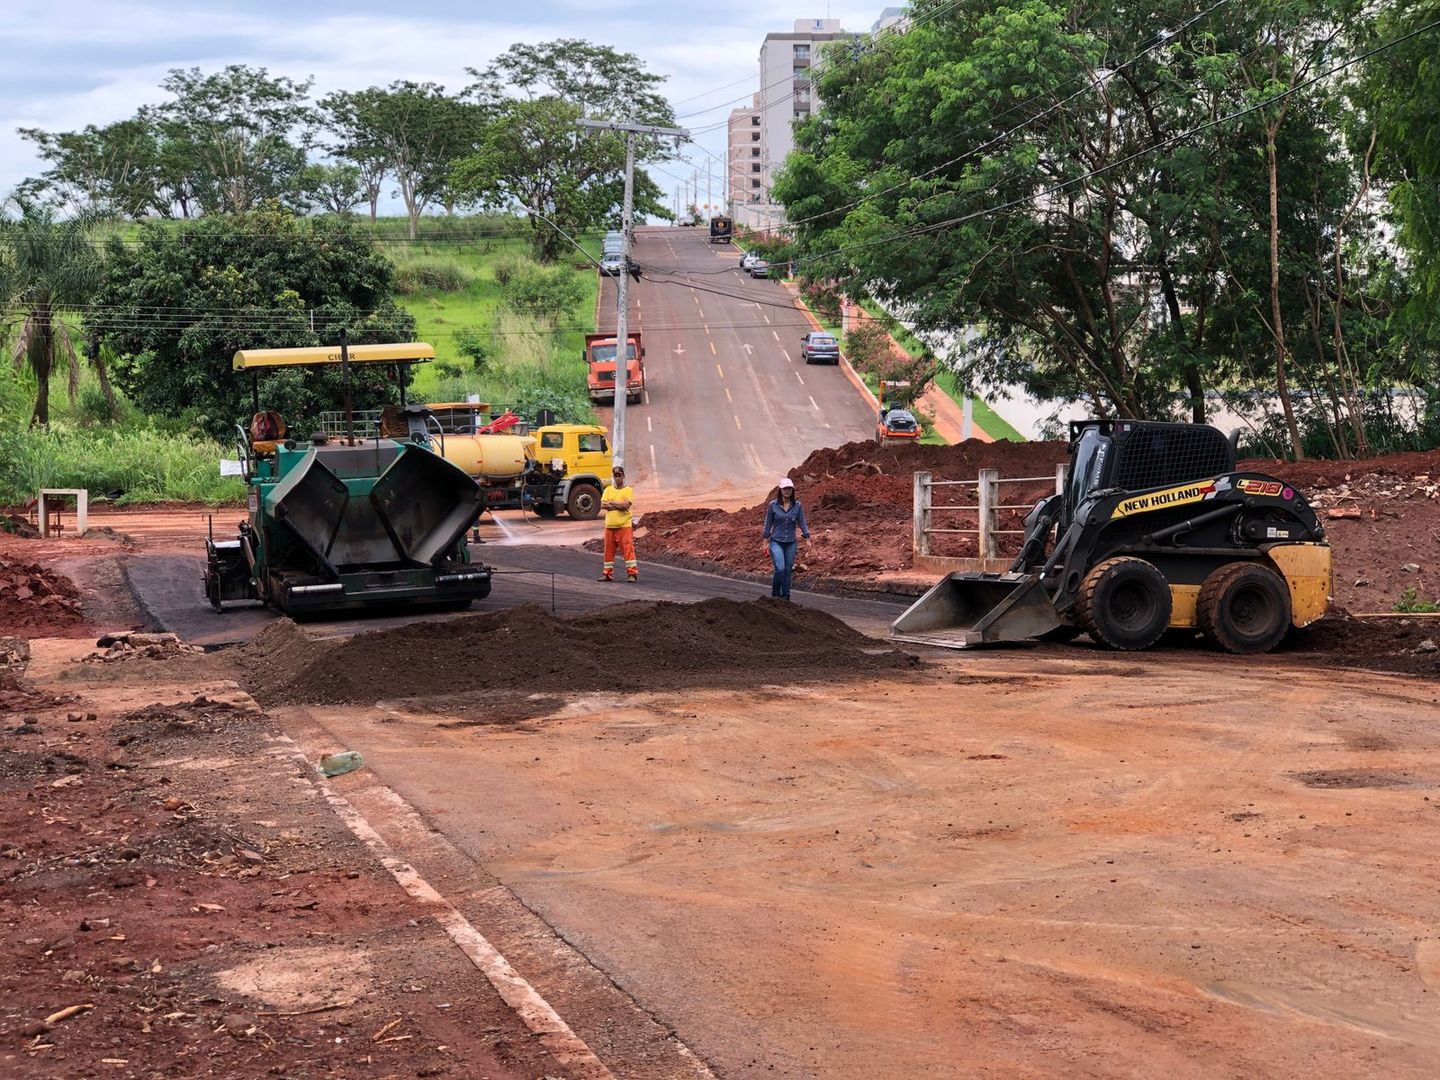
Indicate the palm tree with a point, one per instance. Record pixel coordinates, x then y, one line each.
48 268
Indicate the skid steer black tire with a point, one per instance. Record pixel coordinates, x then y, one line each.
1125 603
1244 607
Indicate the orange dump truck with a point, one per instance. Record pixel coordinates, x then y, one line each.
600 350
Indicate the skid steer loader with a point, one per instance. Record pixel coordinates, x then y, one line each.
1155 530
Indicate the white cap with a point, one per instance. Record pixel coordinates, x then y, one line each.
786 482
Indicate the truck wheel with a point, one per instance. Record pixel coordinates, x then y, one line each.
545 510
1125 603
1244 607
584 502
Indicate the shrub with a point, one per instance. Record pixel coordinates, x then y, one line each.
419 277
1411 604
470 343
543 294
506 270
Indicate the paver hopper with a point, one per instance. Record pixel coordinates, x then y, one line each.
1155 531
348 523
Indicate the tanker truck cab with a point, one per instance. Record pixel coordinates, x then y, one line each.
572 466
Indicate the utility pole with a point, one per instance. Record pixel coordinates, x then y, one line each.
622 314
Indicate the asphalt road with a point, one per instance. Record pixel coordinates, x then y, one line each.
167 585
730 404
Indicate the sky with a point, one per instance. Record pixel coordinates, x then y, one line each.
76 62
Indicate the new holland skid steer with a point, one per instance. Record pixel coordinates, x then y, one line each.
339 522
1155 530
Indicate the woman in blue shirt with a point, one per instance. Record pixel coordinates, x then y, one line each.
782 517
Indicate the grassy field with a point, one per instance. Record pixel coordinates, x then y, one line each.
451 278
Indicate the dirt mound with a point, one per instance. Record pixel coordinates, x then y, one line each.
1406 646
858 501
641 645
37 602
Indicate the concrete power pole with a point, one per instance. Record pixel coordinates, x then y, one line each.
622 314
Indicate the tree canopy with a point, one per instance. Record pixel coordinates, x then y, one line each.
1112 204
533 154
175 306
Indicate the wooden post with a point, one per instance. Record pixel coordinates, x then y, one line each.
989 491
1062 473
920 544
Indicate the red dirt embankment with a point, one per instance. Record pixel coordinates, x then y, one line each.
36 602
858 500
1382 514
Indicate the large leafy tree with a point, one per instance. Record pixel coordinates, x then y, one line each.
412 132
49 270
176 306
112 170
533 154
1401 94
242 134
1072 192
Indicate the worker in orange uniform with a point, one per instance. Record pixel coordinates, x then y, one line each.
616 500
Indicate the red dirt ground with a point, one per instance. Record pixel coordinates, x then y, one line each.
858 499
206 913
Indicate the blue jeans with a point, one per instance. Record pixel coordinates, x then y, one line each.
783 556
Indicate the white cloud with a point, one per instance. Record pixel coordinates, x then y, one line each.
123 50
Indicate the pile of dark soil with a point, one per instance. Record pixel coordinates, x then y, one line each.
635 646
1405 646
36 602
858 500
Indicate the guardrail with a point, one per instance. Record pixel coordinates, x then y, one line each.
986 509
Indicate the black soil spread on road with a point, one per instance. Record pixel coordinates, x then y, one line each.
643 645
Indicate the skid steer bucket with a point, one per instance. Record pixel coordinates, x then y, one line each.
967 609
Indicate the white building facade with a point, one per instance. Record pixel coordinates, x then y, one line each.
786 98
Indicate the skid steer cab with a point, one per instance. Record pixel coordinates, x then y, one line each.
1154 531
347 519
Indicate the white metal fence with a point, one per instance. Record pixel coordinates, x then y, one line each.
984 511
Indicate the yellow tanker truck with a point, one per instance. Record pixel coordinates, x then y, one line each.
557 467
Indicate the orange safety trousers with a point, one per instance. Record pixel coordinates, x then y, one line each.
622 538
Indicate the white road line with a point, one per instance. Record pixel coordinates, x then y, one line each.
765 317
533 1010
813 405
702 312
737 423
654 469
727 395
721 370
787 356
775 332
647 397
707 328
798 379
649 426
712 349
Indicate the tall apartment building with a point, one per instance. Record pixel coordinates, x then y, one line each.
785 98
742 158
